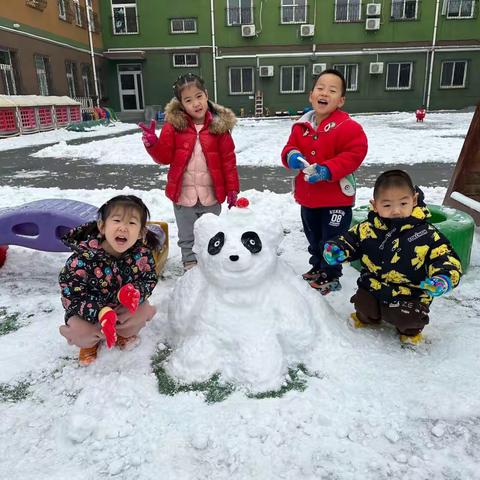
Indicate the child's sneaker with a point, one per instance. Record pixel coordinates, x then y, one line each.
326 285
355 322
313 274
412 340
127 343
87 355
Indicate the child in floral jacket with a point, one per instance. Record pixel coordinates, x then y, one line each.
106 281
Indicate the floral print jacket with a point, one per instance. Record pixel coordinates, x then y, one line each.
91 277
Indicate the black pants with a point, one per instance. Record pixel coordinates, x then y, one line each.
409 317
320 225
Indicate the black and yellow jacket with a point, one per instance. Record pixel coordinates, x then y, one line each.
397 254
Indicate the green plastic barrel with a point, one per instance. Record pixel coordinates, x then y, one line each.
456 225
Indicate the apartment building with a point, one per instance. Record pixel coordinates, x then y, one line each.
257 56
46 48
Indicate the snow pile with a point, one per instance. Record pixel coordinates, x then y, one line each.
242 311
394 138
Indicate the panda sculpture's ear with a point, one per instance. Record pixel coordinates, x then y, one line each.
204 229
272 232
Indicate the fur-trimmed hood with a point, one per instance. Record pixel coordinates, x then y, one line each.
221 119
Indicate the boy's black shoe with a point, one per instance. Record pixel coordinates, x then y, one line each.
313 274
326 284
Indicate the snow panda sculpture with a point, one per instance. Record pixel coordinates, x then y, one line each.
241 311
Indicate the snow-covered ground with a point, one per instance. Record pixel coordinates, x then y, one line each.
393 138
61 135
370 409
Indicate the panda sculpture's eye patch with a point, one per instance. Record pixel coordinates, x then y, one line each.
251 241
216 243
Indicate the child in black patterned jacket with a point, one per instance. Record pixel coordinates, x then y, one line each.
106 282
406 261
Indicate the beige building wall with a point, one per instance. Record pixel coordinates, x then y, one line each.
48 19
40 32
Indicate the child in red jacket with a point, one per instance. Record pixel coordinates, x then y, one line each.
420 113
325 146
196 142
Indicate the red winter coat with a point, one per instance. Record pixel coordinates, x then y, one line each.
420 113
339 143
178 138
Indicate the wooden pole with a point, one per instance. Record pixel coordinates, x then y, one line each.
466 176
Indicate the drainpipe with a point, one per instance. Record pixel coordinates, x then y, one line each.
214 49
92 54
432 56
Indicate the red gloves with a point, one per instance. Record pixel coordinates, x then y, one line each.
108 320
231 199
149 138
129 297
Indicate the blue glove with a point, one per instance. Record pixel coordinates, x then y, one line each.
437 285
296 161
333 254
317 173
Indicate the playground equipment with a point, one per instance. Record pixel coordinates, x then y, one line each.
464 189
20 114
456 225
40 225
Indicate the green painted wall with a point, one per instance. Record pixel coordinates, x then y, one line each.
154 24
453 98
159 74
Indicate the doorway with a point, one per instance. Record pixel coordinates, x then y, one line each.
130 84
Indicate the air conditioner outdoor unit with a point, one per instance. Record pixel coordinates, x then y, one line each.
307 30
372 24
376 68
266 71
248 30
374 8
318 68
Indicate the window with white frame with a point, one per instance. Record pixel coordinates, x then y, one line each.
404 9
239 12
350 73
453 74
185 60
399 76
62 11
70 70
460 8
292 79
183 25
7 74
240 80
124 15
77 12
294 11
348 10
41 69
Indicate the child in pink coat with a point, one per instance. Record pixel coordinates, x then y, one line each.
196 142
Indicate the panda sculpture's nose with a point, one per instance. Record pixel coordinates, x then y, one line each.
234 258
